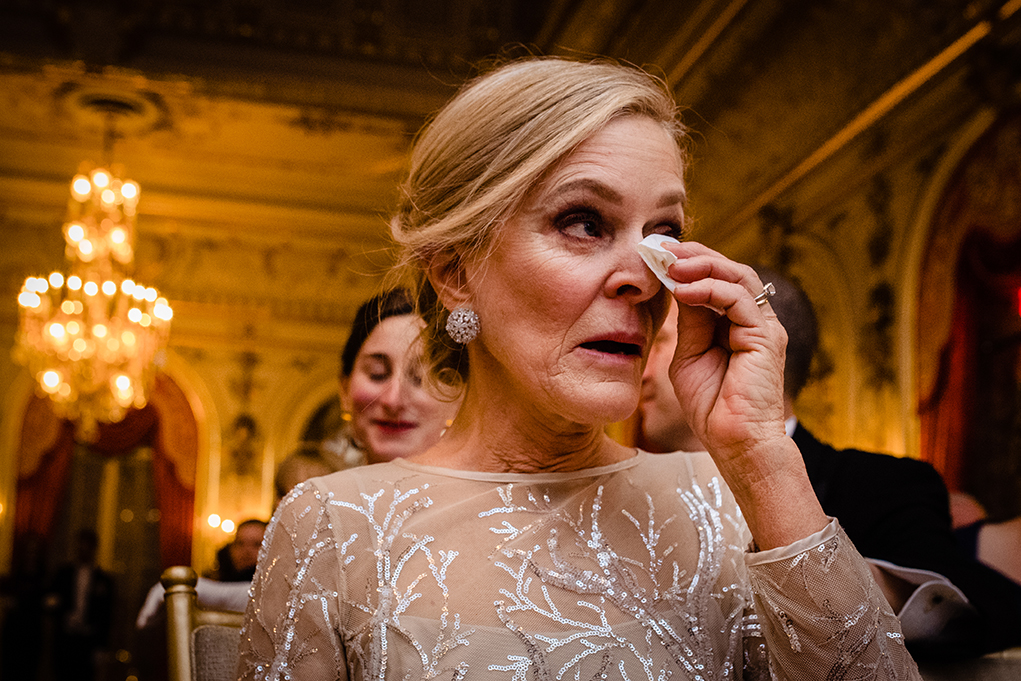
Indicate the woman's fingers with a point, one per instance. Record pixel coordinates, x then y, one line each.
707 279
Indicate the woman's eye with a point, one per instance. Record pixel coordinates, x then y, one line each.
377 369
671 229
581 225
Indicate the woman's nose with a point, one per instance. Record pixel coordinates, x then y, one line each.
631 276
392 393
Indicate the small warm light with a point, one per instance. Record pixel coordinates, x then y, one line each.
99 331
56 280
57 330
29 299
80 345
227 526
118 236
150 294
91 288
108 196
125 392
86 249
214 520
67 307
127 287
50 380
109 288
135 315
73 328
129 190
80 187
138 293
64 391
100 178
39 285
74 283
145 320
75 232
162 310
128 338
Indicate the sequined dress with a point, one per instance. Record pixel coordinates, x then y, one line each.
635 571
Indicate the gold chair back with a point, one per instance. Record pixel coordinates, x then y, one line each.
202 645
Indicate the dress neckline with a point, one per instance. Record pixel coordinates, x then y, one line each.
488 476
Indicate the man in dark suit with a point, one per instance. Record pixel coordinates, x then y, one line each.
82 599
895 510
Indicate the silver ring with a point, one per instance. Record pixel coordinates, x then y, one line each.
767 291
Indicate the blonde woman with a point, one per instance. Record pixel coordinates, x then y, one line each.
525 544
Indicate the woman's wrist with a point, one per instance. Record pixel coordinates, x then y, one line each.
774 492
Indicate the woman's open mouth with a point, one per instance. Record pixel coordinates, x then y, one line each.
613 347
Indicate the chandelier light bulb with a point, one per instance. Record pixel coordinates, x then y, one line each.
75 232
29 299
56 280
57 330
81 187
90 288
127 287
129 190
109 288
50 380
74 283
100 178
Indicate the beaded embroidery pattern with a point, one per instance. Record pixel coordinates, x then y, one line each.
548 583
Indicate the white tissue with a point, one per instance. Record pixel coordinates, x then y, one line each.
658 258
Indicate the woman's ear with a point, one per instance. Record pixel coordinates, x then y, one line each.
447 277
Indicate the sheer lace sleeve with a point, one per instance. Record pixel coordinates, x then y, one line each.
291 625
820 609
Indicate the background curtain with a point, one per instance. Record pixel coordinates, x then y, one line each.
47 444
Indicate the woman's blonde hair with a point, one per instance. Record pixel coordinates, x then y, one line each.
474 163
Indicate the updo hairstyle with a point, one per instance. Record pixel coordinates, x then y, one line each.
473 165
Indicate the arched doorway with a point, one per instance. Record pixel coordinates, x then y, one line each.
969 324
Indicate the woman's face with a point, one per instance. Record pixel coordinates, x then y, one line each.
393 414
568 309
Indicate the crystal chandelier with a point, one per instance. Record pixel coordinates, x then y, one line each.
92 338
